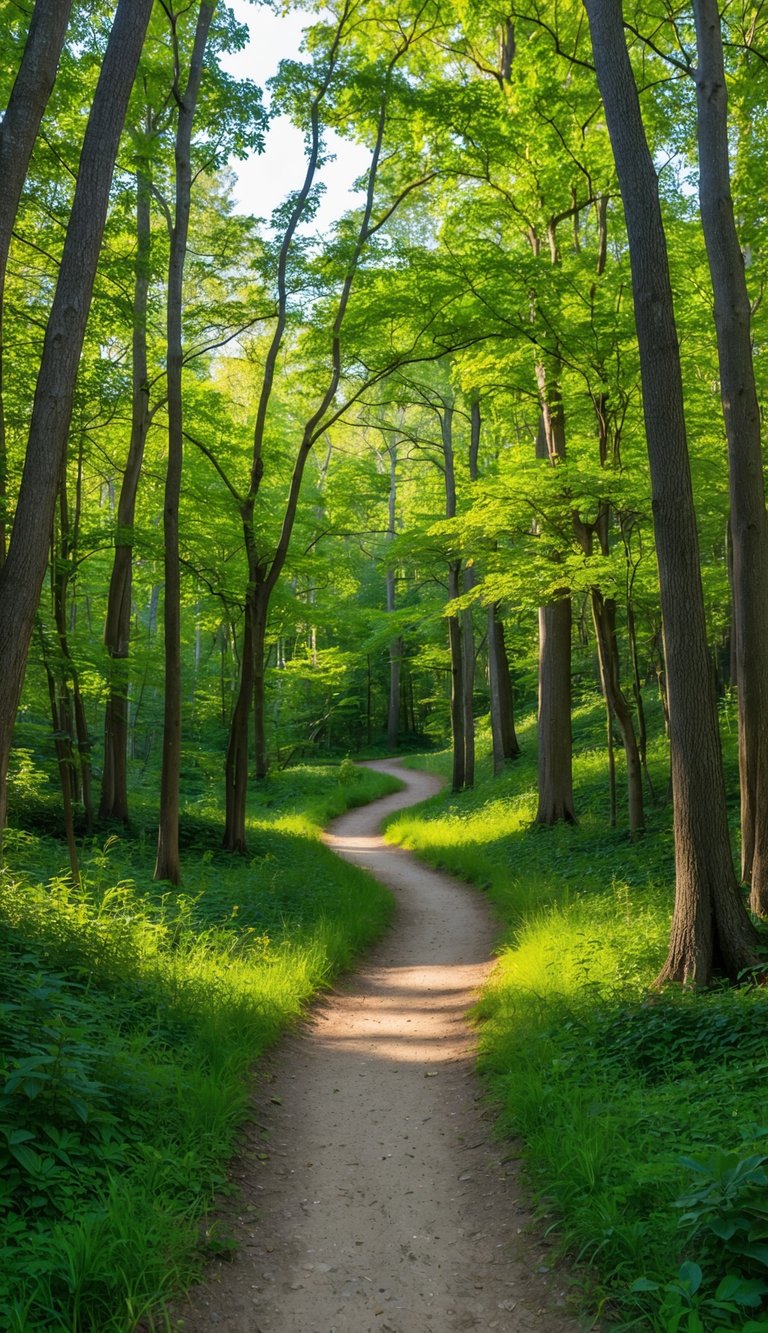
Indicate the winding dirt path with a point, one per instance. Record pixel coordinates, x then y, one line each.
372 1196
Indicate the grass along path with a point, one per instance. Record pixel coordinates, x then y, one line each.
643 1118
130 1016
371 1195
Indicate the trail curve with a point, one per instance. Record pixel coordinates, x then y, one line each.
379 1199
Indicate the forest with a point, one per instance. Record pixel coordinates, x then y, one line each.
471 476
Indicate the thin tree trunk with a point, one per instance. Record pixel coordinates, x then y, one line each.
748 519
455 644
236 768
637 690
63 745
18 132
555 746
259 682
468 683
505 742
458 774
167 865
117 631
710 925
554 723
604 617
78 726
396 644
22 575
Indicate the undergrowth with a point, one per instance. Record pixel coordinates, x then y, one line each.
130 1014
642 1115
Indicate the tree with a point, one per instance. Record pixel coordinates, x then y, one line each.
748 519
18 132
23 572
710 926
167 865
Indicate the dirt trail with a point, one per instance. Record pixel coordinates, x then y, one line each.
382 1202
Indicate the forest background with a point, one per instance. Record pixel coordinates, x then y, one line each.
288 488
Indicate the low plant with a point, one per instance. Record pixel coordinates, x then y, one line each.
130 1016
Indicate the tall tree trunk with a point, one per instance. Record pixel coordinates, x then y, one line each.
604 616
458 772
748 520
455 643
63 744
554 723
22 575
78 725
259 681
18 132
396 644
505 742
167 866
117 631
555 746
710 925
468 683
236 768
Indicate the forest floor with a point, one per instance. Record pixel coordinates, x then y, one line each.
371 1194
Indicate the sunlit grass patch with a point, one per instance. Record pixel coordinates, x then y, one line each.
607 1085
130 1014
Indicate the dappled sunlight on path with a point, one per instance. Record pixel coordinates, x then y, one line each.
372 1196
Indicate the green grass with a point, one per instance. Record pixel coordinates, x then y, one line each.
130 1015
608 1085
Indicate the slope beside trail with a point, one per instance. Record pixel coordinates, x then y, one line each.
371 1195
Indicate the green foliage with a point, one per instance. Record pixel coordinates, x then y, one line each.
130 1015
617 1094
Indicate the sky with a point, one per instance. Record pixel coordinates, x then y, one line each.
265 179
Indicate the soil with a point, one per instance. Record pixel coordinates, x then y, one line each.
372 1196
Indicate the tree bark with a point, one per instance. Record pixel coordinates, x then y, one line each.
117 630
236 767
604 617
468 683
396 644
22 575
554 723
710 925
455 638
18 132
167 865
555 746
505 742
748 520
77 724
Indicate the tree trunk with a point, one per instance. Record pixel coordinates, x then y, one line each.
604 616
77 725
748 520
468 684
554 725
396 644
710 925
22 575
458 774
117 631
259 682
236 770
455 644
18 132
505 743
63 745
555 746
167 866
